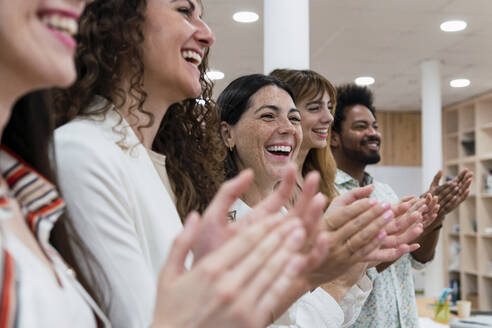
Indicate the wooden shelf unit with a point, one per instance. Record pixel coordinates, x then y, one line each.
467 143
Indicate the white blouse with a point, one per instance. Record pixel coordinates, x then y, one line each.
34 294
317 308
43 301
123 211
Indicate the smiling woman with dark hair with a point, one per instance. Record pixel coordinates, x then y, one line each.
261 127
139 152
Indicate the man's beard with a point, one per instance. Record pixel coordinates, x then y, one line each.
361 157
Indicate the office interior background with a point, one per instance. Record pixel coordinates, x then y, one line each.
433 95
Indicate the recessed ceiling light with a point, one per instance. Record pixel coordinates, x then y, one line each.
245 17
364 80
459 83
453 26
215 75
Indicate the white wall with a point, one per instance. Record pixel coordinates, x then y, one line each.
405 181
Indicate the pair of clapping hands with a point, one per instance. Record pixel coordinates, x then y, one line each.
248 270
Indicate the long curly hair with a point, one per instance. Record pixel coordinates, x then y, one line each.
309 85
109 50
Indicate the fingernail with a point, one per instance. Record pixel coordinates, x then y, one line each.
385 205
373 201
388 215
381 235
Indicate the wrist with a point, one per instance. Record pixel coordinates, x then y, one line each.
336 290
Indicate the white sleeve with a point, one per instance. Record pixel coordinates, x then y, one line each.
315 309
94 189
353 301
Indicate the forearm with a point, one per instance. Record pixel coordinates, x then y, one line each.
296 290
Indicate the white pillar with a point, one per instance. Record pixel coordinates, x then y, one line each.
286 34
432 158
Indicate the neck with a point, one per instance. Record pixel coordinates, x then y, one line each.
155 104
10 91
257 191
354 169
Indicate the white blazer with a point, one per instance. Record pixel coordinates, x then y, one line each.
119 207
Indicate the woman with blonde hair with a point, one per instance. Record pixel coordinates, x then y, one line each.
139 121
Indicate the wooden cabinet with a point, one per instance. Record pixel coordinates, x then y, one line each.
467 233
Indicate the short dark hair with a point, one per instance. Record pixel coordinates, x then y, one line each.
236 97
350 95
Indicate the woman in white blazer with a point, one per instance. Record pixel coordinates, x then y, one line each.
131 160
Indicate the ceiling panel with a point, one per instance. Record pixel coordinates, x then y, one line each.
386 39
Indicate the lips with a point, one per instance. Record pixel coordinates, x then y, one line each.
192 56
62 24
280 152
372 144
322 133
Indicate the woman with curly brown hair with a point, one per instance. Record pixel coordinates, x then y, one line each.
131 166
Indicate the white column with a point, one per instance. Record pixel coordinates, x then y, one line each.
286 34
432 157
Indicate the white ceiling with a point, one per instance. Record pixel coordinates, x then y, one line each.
386 39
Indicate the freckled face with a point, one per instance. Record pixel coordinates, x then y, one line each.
269 133
37 43
316 120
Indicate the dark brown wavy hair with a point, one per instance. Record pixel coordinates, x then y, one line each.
309 85
109 48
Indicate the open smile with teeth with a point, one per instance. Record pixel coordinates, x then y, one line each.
64 24
374 145
280 150
321 131
192 57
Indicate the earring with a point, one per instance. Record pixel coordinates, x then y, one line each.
231 148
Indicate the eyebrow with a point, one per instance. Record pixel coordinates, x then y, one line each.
316 102
365 122
192 5
273 107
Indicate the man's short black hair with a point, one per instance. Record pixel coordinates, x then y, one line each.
350 95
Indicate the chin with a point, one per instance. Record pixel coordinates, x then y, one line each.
372 159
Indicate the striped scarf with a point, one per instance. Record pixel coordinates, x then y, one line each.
41 205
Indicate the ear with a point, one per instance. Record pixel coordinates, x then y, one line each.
227 134
334 139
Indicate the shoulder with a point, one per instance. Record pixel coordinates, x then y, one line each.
384 191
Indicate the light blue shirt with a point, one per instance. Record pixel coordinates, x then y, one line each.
392 300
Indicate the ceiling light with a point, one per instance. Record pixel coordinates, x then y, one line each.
215 75
459 83
453 26
364 80
245 17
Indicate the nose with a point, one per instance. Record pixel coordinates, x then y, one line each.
286 127
373 132
204 34
327 117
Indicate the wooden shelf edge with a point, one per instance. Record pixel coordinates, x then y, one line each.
486 126
471 272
